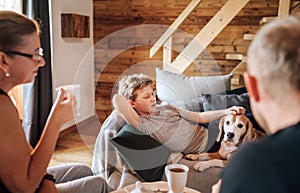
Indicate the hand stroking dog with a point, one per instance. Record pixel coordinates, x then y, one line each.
234 130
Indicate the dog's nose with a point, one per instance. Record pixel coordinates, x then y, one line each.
230 135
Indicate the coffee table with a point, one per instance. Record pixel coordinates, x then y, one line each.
153 187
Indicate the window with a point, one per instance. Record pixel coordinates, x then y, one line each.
14 5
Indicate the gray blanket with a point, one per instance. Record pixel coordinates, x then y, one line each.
108 164
106 161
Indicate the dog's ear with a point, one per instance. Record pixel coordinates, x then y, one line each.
251 133
221 129
248 133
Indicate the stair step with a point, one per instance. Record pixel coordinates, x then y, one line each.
237 72
237 79
267 19
248 36
236 57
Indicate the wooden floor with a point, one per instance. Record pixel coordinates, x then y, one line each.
76 144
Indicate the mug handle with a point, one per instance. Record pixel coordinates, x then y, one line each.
166 172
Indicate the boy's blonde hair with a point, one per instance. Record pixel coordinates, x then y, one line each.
129 84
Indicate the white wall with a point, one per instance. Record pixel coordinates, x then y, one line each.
72 58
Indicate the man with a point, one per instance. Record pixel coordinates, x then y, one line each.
273 83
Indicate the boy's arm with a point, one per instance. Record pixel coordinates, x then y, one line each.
208 116
121 104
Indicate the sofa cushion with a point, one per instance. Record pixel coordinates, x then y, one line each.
219 101
173 87
194 104
146 156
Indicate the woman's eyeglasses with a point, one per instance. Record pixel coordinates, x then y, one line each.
37 57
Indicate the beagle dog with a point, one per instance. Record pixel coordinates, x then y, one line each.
234 130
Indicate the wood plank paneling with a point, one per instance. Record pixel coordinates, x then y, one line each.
111 16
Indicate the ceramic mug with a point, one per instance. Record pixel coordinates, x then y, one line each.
176 175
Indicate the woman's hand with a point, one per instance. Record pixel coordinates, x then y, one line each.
235 110
48 186
62 109
61 112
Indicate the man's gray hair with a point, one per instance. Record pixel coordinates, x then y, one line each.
275 53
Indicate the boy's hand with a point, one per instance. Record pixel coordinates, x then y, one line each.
235 110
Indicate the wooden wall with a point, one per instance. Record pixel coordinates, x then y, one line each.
111 38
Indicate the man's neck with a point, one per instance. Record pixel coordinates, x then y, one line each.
280 116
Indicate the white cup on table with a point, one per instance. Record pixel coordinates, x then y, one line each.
176 175
72 89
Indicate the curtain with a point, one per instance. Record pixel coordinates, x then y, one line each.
37 96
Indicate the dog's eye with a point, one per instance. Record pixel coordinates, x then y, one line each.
240 125
227 122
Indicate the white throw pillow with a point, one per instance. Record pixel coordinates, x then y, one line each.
172 87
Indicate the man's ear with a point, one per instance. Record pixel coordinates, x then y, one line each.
251 85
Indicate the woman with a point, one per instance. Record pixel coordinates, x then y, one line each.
23 168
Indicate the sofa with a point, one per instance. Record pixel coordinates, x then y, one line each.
193 93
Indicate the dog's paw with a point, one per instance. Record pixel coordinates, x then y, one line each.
192 156
201 166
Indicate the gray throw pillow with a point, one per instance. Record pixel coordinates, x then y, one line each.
194 104
172 87
218 101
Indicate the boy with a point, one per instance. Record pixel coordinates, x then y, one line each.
176 128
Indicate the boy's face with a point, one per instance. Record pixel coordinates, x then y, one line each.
145 102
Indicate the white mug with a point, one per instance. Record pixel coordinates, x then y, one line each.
177 175
73 89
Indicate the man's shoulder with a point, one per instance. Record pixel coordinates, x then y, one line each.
287 137
269 149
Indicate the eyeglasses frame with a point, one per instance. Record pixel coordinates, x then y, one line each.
37 57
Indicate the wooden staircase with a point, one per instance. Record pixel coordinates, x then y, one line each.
208 33
201 40
237 72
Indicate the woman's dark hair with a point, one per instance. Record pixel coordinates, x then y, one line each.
14 27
